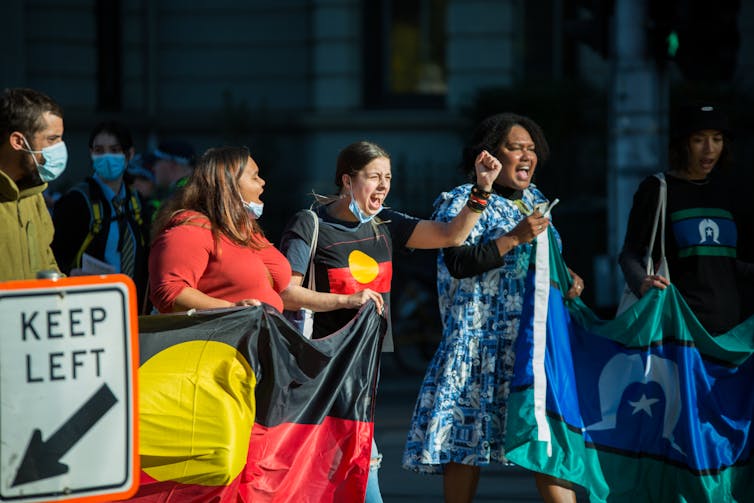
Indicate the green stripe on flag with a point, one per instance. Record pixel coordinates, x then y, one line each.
700 213
708 251
610 476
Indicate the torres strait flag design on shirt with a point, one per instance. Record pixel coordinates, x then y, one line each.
705 231
236 406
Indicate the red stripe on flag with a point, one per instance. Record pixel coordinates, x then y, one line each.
308 463
170 491
289 463
342 280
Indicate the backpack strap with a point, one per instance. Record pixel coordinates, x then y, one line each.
96 212
135 204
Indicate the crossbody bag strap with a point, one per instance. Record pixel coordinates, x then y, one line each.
311 285
659 221
663 205
662 268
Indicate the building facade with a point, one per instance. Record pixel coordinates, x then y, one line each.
297 80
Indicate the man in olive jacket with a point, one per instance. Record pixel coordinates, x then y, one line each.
32 153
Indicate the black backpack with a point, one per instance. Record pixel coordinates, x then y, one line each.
97 214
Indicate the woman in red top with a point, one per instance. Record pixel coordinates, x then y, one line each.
209 250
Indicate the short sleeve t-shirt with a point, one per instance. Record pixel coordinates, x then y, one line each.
349 258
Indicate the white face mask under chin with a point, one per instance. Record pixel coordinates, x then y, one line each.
255 209
356 210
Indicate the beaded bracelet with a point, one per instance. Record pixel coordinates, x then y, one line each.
480 192
476 203
476 208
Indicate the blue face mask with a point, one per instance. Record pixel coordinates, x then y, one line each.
254 209
354 207
55 156
356 210
109 167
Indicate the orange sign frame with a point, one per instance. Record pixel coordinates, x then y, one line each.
133 316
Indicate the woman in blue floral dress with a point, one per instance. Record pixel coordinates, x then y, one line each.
459 419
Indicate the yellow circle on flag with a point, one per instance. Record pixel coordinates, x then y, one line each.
363 267
196 410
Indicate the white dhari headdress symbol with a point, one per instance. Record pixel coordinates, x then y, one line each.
708 230
623 370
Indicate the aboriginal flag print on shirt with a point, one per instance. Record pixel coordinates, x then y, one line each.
351 257
361 271
348 262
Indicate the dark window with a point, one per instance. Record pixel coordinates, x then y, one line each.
404 44
109 20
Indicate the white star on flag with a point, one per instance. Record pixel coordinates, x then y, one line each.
644 404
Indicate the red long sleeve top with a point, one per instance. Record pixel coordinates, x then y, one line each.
185 255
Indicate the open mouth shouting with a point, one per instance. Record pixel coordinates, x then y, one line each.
374 203
523 173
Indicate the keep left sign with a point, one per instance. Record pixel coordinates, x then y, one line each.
68 405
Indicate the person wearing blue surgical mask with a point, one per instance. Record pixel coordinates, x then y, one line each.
32 153
100 223
54 160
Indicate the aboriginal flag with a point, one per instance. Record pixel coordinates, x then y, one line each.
237 406
362 272
646 407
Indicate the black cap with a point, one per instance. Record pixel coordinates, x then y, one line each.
700 116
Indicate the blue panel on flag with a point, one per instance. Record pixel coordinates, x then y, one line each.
705 232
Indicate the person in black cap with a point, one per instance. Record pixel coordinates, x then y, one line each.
701 234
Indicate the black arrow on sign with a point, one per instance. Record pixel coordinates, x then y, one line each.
42 459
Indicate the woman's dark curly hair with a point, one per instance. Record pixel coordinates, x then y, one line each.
493 131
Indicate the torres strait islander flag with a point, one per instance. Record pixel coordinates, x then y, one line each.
646 407
237 406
